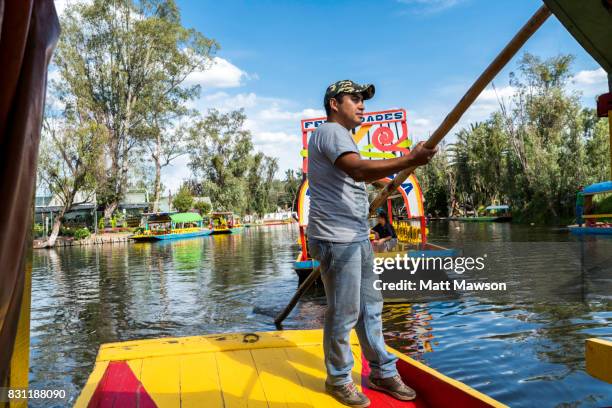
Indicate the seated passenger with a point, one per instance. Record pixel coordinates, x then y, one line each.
385 237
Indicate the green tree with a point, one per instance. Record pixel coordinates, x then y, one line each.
434 183
69 161
260 185
183 200
533 153
203 207
123 62
291 185
220 158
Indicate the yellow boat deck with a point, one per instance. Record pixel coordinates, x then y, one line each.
271 369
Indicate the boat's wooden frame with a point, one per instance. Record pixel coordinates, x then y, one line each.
282 368
598 356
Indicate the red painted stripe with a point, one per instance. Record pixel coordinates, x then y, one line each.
382 400
436 392
120 388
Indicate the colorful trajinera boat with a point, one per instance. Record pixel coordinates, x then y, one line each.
163 226
225 222
593 215
265 369
492 213
382 135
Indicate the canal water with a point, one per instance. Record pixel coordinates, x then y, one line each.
524 346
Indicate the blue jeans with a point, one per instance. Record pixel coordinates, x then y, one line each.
352 302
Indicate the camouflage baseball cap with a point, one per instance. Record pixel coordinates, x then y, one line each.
350 87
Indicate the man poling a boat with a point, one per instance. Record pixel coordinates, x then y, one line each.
339 239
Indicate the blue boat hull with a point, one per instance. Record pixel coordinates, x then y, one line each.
172 236
304 268
590 230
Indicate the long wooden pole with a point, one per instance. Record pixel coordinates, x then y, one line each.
470 96
314 275
451 120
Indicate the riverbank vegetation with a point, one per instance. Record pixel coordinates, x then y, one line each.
533 153
119 111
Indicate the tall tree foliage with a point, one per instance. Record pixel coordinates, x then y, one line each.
220 154
69 162
260 184
533 153
125 61
225 168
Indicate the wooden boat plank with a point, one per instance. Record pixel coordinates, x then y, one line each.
309 366
211 343
284 368
599 359
136 367
435 386
125 397
279 379
92 383
161 379
239 380
200 381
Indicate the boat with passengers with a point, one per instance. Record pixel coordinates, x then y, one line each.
225 222
165 225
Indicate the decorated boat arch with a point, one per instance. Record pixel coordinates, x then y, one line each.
381 135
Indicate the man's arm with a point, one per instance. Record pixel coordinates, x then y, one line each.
371 170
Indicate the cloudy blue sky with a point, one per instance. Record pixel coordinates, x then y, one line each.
277 58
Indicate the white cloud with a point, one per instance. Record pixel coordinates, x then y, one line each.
274 124
487 103
587 77
221 74
226 102
422 123
265 138
591 82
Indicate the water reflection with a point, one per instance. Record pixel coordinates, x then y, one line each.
524 347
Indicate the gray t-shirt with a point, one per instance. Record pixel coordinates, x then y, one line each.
338 204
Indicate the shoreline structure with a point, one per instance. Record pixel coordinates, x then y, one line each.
99 239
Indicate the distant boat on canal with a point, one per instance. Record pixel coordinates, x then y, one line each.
492 213
163 226
225 222
593 217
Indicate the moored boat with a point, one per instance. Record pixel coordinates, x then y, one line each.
594 217
283 368
224 222
303 267
492 213
165 226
